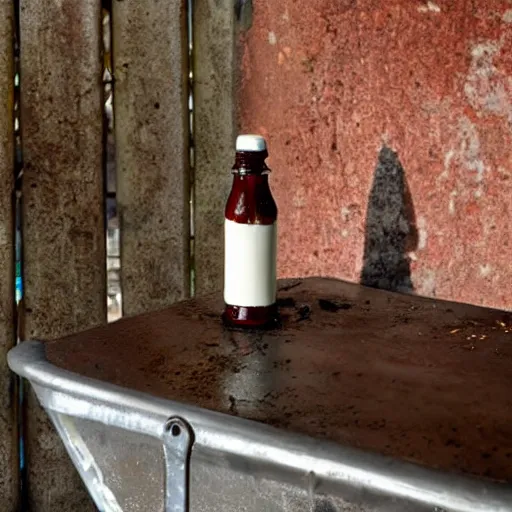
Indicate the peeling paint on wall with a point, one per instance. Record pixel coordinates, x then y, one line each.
422 233
488 89
429 7
507 16
469 149
452 204
485 270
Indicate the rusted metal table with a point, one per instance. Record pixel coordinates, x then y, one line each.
361 400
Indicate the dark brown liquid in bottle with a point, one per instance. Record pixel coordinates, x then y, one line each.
251 202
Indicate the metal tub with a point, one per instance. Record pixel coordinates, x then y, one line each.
250 439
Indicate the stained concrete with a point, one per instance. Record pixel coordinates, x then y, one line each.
63 220
330 84
150 55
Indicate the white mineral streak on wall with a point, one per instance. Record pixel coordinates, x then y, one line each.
429 7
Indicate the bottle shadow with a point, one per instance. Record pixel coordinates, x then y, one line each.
390 232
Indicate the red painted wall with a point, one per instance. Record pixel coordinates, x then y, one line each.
425 85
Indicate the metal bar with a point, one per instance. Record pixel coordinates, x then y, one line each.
178 439
63 219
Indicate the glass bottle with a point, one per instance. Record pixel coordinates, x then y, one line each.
250 239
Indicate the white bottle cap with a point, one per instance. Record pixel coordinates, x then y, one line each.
250 143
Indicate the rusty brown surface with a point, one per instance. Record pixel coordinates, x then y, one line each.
63 220
151 127
9 461
337 85
214 134
417 379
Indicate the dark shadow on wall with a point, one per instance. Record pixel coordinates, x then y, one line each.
390 232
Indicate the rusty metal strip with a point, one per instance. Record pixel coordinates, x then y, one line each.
151 132
63 220
9 461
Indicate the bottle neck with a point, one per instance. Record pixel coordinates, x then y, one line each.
250 200
250 162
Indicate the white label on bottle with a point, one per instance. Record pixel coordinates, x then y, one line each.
250 264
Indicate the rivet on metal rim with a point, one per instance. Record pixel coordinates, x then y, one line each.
178 438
